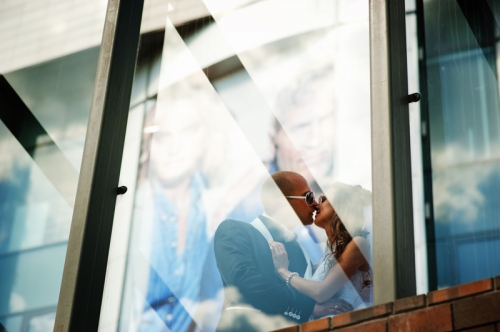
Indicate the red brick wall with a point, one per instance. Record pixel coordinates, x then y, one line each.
469 307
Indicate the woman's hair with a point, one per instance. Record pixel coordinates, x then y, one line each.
348 220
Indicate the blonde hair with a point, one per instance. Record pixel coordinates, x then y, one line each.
198 92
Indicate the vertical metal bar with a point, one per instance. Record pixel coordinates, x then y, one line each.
393 243
88 246
426 150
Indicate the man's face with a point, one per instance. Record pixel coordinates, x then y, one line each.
177 146
303 211
310 145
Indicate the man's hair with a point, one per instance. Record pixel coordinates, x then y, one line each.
305 87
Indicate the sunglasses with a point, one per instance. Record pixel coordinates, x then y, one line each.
310 197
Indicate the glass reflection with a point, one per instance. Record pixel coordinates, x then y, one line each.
40 156
340 281
305 113
460 138
174 214
223 106
48 61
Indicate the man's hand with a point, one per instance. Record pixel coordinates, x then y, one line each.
332 307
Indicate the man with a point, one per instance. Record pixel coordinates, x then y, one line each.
171 214
252 287
304 140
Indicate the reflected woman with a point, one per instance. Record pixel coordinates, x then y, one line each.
344 271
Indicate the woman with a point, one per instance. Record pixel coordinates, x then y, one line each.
347 254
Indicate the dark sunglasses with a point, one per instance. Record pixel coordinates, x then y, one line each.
310 197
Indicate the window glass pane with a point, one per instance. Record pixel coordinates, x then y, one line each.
12 324
460 132
48 61
23 290
227 93
42 323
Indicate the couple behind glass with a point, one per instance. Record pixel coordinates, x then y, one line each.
268 277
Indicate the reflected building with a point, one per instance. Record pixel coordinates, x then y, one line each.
45 112
460 135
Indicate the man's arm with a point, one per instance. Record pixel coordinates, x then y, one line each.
236 262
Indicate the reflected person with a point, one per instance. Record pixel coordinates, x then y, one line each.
344 272
304 139
180 258
245 261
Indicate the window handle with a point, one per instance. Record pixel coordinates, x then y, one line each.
414 97
121 190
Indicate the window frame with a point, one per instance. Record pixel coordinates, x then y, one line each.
88 246
86 261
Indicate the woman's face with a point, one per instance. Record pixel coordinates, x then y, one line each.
324 215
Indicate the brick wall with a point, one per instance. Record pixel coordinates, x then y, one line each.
469 307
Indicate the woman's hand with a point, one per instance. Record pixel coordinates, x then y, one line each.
280 256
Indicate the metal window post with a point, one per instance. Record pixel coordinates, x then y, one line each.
393 243
88 245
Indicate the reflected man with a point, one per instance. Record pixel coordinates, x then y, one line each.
182 267
256 297
304 140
